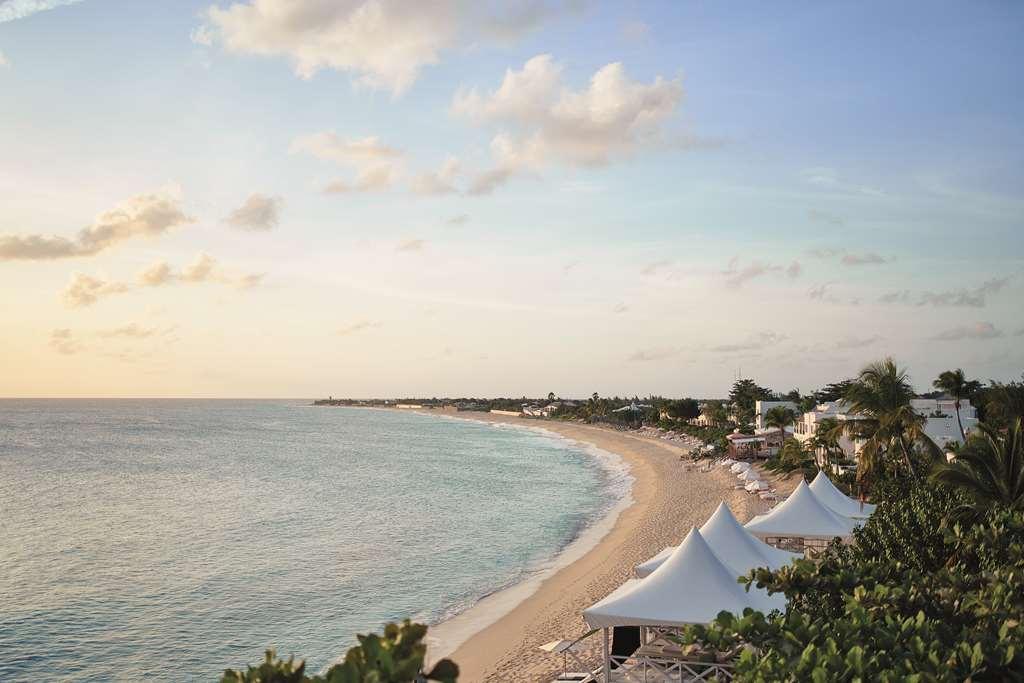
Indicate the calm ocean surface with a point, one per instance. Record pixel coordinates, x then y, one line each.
168 540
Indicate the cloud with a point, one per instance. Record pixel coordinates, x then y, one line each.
856 342
4 62
373 179
62 341
979 331
459 219
976 297
753 343
829 179
359 326
735 276
159 273
441 181
653 354
376 164
382 43
19 9
849 258
868 258
824 217
329 146
411 245
144 215
550 123
818 293
84 290
258 212
130 331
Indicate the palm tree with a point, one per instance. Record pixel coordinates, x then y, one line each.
887 423
826 439
990 470
959 387
781 417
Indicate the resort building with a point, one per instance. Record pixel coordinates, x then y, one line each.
761 409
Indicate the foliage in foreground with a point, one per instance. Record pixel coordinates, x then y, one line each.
945 606
397 657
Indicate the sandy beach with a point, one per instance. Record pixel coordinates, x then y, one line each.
667 501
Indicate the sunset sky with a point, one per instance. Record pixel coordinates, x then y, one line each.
296 198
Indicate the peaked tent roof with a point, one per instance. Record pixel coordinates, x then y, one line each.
825 491
802 515
691 587
736 547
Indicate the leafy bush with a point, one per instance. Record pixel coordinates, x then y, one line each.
911 600
397 657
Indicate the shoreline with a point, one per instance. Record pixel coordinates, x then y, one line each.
449 635
497 638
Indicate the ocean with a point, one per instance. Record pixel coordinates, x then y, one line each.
171 539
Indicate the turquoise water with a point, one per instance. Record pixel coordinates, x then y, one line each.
170 539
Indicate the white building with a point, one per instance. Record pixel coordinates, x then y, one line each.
761 408
940 424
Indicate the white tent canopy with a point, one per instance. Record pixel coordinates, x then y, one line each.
802 515
756 485
691 587
733 544
740 467
825 491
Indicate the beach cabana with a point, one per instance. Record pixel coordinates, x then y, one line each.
801 521
825 491
734 545
690 587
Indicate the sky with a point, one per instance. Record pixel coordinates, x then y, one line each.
301 198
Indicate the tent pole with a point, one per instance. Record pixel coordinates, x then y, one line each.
607 655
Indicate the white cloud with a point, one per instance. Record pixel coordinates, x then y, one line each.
84 290
358 326
258 212
441 181
755 342
382 43
654 354
979 331
130 331
976 297
372 179
62 341
144 215
867 258
358 152
735 276
411 245
19 9
612 118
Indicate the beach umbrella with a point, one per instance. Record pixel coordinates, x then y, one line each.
740 467
748 475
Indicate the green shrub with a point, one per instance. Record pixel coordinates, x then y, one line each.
397 657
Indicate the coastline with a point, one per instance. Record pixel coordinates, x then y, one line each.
498 638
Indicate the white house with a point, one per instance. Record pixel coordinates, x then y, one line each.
761 408
940 424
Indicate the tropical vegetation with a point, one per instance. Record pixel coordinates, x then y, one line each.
395 657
